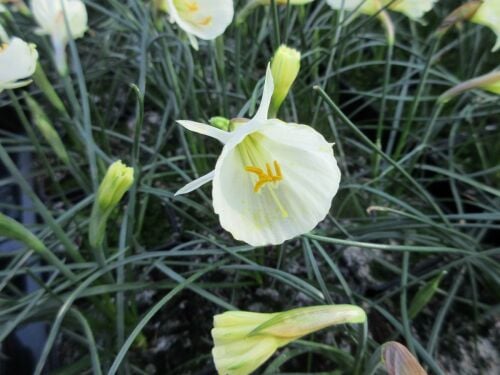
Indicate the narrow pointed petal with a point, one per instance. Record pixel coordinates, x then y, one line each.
266 96
195 184
205 129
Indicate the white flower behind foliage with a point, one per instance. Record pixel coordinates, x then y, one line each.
204 19
49 14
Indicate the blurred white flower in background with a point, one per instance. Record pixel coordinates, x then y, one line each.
204 19
17 63
50 16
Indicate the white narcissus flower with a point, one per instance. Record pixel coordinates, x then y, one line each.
204 19
488 15
273 181
244 340
49 15
17 63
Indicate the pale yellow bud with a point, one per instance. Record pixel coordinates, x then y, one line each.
115 184
245 340
118 179
285 68
488 82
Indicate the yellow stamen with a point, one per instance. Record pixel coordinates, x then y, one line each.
205 21
192 6
265 177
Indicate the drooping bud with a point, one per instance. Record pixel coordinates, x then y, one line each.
11 229
463 13
46 128
488 82
399 361
245 340
118 179
285 67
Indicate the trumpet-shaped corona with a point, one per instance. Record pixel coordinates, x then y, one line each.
273 180
244 340
17 63
204 19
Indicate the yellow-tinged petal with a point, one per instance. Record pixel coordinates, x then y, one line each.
414 9
488 15
204 19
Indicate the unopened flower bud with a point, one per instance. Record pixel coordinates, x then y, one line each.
285 68
46 128
245 340
488 82
118 179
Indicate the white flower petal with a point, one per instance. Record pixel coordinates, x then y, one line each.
206 19
414 9
17 61
488 15
49 15
195 184
279 210
211 131
267 95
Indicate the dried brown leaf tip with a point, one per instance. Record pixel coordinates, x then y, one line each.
399 361
463 13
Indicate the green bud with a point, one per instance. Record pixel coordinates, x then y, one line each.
220 122
10 228
46 128
118 179
285 67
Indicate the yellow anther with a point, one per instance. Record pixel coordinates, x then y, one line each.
265 177
192 6
205 21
